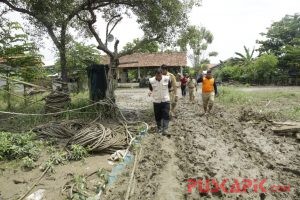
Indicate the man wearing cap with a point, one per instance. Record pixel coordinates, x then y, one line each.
159 86
209 90
172 90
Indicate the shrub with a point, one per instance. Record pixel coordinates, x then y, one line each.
77 152
18 146
28 163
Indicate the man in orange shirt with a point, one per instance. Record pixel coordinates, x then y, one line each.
209 90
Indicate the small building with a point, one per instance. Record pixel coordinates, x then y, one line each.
145 63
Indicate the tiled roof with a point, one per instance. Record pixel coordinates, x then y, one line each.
174 59
1 60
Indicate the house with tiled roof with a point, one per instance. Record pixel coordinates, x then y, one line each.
176 61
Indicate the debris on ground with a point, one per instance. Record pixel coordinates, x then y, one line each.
248 114
37 195
286 128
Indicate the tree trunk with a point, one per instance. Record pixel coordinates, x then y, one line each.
63 65
63 59
8 92
111 75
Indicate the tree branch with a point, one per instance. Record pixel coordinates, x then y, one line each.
107 26
21 10
86 6
90 23
137 46
25 11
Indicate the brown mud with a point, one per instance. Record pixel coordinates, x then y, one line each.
233 144
15 182
223 145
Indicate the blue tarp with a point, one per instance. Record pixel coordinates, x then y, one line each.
129 158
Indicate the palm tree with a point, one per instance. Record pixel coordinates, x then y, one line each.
244 60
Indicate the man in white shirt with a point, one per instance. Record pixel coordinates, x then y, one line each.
159 86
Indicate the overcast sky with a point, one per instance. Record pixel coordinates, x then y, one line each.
234 23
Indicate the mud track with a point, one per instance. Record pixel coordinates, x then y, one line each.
218 146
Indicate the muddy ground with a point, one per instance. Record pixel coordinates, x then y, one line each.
234 143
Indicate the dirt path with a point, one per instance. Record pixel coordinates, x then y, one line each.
223 147
216 147
170 187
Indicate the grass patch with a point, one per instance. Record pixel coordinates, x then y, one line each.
19 123
279 104
231 96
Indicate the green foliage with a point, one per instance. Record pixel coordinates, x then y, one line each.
190 71
18 146
18 52
283 40
77 152
163 18
132 74
20 56
159 20
228 73
261 71
47 165
58 157
265 67
246 59
292 55
212 54
280 34
80 186
36 105
198 39
79 56
28 163
151 47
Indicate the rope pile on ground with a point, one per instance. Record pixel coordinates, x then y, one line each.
56 101
63 130
95 137
99 138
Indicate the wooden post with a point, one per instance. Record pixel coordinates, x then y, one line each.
139 73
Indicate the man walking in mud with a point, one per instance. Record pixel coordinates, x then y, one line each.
192 85
183 81
209 90
172 90
159 86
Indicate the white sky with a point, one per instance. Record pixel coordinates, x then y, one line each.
234 23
